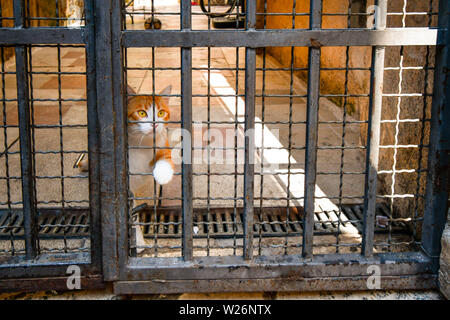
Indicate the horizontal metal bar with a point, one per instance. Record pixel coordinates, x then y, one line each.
42 35
315 284
45 265
276 38
293 266
41 284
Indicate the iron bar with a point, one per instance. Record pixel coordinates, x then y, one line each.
107 123
249 166
120 129
235 267
373 136
284 38
23 105
437 187
42 35
312 131
93 139
186 119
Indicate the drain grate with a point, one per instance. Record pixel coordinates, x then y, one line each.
224 222
53 223
228 222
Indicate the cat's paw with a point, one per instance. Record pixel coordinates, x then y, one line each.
140 242
163 172
82 163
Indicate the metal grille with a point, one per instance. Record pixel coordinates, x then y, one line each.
333 143
45 207
309 140
281 97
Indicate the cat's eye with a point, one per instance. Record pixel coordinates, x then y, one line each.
142 113
161 113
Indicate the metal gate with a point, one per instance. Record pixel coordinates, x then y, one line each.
196 246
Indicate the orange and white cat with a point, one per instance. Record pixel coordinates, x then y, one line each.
148 149
148 139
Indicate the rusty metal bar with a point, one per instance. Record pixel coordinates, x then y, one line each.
236 267
284 38
437 188
186 119
107 147
311 130
93 139
120 129
249 166
26 159
373 136
42 35
354 283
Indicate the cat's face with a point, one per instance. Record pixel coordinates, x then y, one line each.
147 115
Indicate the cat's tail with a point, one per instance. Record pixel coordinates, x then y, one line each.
163 171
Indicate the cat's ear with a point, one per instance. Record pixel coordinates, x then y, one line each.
166 91
131 91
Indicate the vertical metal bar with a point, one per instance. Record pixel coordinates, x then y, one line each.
26 161
373 135
121 137
439 152
186 122
344 131
315 21
93 140
236 120
106 121
208 177
291 102
423 118
263 107
249 166
61 143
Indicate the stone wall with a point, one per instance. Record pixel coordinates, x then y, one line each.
332 82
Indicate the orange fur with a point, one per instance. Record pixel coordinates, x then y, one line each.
161 154
138 103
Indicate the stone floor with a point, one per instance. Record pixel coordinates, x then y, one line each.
108 295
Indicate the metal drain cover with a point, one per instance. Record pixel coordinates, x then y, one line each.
50 221
218 223
228 222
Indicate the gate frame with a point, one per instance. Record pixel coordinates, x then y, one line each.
34 272
105 40
416 270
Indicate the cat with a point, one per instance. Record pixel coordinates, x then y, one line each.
142 125
145 129
147 119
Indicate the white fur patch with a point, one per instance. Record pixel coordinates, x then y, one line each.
163 172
